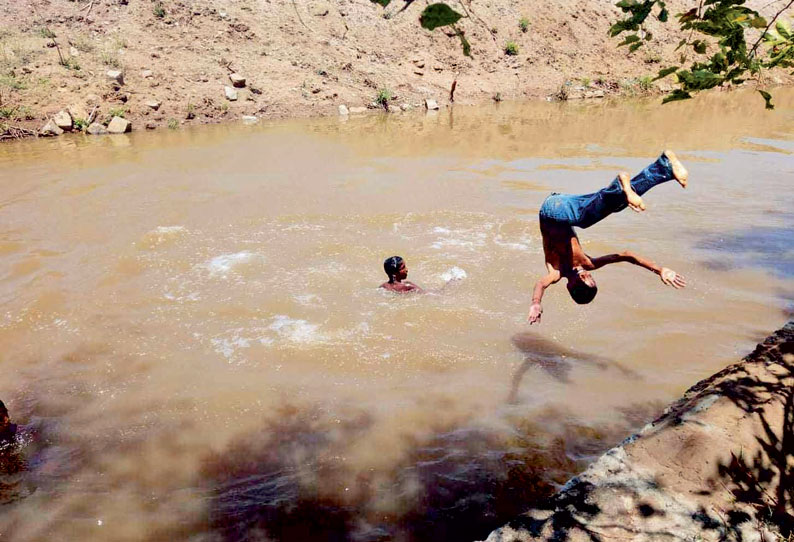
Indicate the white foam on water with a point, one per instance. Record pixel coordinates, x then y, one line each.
225 263
453 273
169 230
508 245
294 330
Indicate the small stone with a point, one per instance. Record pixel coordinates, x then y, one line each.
63 120
150 126
237 80
77 111
147 74
73 51
343 110
249 119
119 126
96 129
231 94
431 105
357 110
153 104
405 107
51 129
116 76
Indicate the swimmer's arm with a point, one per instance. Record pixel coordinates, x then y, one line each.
536 310
668 276
414 287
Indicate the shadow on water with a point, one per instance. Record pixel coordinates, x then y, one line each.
556 360
768 248
291 481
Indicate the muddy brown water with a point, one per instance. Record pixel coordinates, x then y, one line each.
192 335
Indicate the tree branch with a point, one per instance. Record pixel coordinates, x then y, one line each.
761 37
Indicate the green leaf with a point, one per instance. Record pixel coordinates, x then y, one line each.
665 72
663 15
436 15
464 42
680 44
767 99
635 46
758 22
676 95
383 3
629 39
699 47
783 30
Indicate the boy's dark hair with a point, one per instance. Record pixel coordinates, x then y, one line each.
392 266
3 409
582 293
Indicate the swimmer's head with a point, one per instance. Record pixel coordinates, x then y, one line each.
395 268
582 286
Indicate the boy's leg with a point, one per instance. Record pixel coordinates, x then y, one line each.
621 192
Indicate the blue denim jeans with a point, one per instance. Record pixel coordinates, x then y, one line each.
585 210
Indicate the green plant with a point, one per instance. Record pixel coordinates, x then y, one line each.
191 111
12 82
586 82
224 107
173 124
116 112
159 10
111 59
384 96
70 63
645 83
82 44
16 112
511 48
523 24
45 32
80 124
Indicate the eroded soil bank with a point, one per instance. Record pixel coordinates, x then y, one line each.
171 60
716 466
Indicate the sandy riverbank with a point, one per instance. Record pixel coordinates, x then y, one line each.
716 466
301 59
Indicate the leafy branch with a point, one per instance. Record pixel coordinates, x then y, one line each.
721 28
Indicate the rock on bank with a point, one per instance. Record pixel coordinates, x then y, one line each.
718 465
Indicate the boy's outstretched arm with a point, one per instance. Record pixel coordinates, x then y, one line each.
668 276
536 309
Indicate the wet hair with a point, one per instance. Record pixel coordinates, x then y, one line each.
581 292
3 410
392 266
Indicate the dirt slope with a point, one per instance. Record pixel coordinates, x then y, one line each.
300 57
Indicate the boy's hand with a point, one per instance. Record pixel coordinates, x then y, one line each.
671 278
534 313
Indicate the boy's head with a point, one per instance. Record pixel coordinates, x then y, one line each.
582 286
395 268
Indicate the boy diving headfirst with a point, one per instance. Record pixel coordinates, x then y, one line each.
563 252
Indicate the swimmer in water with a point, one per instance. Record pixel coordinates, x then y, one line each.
397 273
564 255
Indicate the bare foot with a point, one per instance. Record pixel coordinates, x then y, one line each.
679 171
634 201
